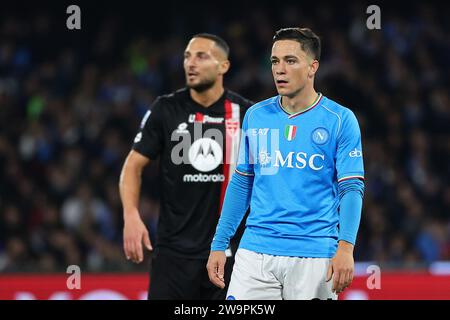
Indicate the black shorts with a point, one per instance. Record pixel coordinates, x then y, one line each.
174 278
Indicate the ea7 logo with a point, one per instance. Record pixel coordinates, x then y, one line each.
355 153
260 132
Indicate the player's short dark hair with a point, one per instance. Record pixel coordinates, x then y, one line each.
309 41
222 44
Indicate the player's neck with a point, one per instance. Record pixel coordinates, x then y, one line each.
208 97
302 101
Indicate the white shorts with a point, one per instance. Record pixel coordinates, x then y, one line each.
258 276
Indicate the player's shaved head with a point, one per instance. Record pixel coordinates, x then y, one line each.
218 41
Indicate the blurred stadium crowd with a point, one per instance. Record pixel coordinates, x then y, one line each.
71 103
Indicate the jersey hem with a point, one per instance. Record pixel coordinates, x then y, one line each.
299 254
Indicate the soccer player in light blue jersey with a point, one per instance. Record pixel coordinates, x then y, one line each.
301 171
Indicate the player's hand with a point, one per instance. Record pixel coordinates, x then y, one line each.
216 267
342 266
134 235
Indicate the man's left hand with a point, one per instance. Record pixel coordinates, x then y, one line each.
341 267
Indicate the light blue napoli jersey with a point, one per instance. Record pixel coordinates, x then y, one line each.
297 161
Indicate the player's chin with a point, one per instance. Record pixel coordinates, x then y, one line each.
192 83
283 91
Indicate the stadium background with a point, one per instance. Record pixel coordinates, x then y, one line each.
71 103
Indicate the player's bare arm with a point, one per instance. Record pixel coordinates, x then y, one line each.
135 233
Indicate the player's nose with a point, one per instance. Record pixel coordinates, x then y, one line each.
189 63
280 69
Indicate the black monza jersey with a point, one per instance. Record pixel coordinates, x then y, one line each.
198 148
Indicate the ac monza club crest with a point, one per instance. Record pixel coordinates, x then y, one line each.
231 126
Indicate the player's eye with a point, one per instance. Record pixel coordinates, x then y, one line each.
274 62
290 61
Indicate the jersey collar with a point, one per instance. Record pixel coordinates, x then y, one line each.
293 115
216 107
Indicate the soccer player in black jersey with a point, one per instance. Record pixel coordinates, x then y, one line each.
195 131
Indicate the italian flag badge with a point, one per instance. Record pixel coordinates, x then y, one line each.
290 132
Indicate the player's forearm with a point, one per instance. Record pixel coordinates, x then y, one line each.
351 196
129 187
236 203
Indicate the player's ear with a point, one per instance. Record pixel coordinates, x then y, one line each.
313 68
224 66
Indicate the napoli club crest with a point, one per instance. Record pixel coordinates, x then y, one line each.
320 136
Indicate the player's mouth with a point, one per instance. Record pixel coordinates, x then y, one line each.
281 83
192 75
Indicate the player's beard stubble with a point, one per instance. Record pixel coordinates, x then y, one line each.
202 85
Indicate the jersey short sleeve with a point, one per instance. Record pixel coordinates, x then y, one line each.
149 140
349 158
245 158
